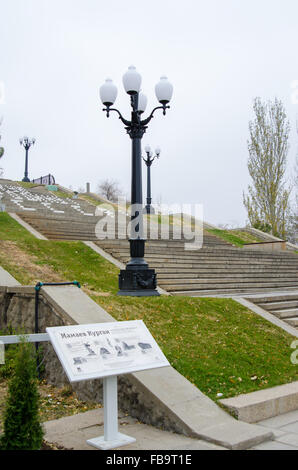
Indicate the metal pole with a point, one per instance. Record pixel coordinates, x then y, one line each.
110 400
136 187
26 179
149 199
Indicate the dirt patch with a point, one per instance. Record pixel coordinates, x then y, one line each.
21 259
95 293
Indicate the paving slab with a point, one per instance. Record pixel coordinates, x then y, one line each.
290 439
276 432
279 421
274 445
72 432
236 435
293 428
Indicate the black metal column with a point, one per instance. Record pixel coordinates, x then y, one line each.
26 179
137 279
149 199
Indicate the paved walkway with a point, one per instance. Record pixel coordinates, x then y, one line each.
285 429
73 431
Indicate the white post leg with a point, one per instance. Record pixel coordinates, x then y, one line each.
110 402
111 438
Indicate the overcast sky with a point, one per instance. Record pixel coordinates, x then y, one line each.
218 54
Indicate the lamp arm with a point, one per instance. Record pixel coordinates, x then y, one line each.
146 121
107 110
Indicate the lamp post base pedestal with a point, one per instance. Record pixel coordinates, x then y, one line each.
137 283
138 293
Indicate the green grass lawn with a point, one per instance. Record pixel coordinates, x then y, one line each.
236 237
217 344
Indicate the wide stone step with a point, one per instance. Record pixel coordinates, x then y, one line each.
222 285
287 313
183 280
232 270
272 306
274 298
292 321
122 246
207 265
180 244
195 257
228 275
185 255
226 291
169 257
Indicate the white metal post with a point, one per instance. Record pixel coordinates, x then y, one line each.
110 400
112 438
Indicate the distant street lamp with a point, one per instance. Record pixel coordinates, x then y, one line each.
137 279
26 143
148 161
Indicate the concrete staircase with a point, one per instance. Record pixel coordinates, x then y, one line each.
284 306
217 269
213 270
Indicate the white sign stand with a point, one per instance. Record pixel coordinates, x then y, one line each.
112 438
105 350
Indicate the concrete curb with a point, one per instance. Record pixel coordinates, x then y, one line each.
267 316
28 227
264 404
7 280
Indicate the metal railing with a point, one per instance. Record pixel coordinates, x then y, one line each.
48 179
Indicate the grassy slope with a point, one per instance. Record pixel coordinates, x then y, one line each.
235 237
217 344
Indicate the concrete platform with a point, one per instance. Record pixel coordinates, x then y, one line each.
285 430
72 432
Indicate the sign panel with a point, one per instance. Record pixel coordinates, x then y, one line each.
105 349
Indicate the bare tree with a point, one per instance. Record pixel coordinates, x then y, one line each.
267 202
110 190
293 223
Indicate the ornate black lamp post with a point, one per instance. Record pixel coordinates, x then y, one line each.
148 161
137 279
26 143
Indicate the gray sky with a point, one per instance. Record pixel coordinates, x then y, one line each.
219 55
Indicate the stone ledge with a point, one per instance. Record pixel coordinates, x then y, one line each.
6 279
20 290
264 404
